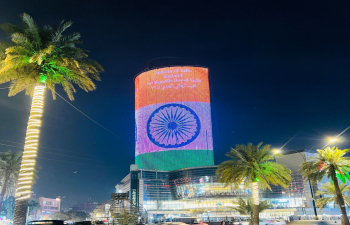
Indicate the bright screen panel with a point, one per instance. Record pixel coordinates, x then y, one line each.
173 119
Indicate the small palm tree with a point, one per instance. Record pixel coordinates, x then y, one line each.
40 58
10 164
245 207
253 165
329 196
9 207
126 218
33 207
332 163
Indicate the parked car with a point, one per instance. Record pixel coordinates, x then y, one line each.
241 221
271 222
174 223
51 222
83 223
309 222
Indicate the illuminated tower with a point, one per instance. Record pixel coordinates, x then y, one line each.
173 119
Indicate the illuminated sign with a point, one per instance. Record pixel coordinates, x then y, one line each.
208 205
119 196
173 119
134 196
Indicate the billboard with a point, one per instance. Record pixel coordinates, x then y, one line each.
173 119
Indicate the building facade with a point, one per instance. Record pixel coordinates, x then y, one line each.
49 206
173 119
174 171
85 206
196 191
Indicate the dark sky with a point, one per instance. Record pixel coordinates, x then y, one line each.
277 68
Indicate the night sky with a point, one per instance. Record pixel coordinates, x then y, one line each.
277 69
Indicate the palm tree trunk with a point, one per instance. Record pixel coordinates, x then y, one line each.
341 203
3 191
255 208
21 207
26 174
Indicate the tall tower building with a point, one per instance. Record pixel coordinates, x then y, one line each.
173 118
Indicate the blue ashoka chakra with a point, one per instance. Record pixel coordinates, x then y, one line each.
173 126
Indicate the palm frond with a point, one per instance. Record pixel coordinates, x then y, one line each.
10 164
250 163
20 38
32 29
48 52
60 29
328 195
245 207
10 28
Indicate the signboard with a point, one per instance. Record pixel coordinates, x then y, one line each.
173 119
120 196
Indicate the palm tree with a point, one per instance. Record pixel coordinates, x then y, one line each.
253 165
126 218
10 164
332 163
40 58
8 207
245 207
33 207
328 195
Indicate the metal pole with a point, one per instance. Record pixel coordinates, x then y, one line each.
311 191
313 200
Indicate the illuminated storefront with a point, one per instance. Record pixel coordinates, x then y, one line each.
196 191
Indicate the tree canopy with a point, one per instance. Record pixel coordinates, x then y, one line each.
10 164
71 215
329 196
245 207
45 55
251 163
330 162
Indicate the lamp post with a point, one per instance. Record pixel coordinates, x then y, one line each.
58 199
311 190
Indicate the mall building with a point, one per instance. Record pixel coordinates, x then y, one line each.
196 192
174 171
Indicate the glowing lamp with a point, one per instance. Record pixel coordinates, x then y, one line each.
276 150
332 140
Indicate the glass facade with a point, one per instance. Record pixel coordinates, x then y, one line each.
201 183
196 191
291 197
155 188
198 188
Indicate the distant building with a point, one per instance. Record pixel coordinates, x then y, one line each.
49 206
85 206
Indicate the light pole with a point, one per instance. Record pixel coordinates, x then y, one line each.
58 199
311 190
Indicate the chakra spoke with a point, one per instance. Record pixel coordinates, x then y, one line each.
173 126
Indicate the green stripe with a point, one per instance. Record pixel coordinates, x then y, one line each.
175 159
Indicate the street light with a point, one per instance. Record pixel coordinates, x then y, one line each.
276 151
332 140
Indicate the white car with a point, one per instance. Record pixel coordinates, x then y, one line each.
241 222
271 222
173 223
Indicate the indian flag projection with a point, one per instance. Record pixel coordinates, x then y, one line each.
173 119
